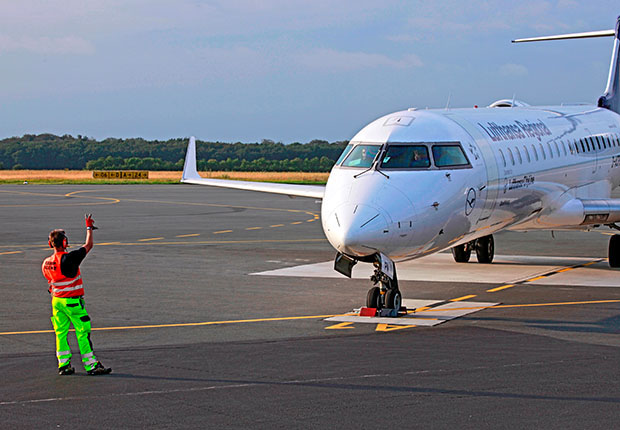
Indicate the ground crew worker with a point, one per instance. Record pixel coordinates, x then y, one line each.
62 271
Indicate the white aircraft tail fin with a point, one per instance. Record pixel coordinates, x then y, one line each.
611 97
189 168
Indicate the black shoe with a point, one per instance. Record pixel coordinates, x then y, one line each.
99 370
66 370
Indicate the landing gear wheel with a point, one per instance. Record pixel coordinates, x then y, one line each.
485 249
373 298
462 253
614 251
393 299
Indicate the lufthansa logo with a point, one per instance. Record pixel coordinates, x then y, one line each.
470 202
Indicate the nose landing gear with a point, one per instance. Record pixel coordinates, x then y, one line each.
386 295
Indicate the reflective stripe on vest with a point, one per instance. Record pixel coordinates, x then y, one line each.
62 284
59 284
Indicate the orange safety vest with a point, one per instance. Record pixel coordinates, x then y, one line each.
59 284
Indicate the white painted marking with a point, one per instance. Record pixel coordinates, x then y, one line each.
506 269
430 318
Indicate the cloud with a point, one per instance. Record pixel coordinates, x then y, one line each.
338 61
46 45
513 70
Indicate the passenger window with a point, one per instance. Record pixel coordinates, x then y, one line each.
535 152
344 153
550 150
406 157
564 148
599 139
449 156
542 151
583 147
519 155
503 158
527 154
361 156
512 158
570 148
557 149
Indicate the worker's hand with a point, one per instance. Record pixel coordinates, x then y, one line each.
90 222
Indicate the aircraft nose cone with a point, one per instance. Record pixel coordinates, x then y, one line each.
356 229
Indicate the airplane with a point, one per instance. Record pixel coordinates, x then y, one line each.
420 181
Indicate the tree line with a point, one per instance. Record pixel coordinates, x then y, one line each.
48 151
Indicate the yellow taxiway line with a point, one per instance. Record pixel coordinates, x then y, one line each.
459 299
306 317
503 287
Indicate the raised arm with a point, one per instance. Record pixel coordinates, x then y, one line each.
90 226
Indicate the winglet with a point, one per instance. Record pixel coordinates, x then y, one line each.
189 169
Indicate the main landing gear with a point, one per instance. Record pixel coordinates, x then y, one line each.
614 251
385 294
485 250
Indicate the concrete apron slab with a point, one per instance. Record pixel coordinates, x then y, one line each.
505 269
424 318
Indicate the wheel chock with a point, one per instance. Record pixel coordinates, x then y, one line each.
368 312
374 312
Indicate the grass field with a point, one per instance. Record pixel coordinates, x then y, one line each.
86 177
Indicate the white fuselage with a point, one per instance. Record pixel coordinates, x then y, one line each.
524 163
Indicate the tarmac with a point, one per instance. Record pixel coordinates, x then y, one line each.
215 308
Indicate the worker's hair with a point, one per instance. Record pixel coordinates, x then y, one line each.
57 238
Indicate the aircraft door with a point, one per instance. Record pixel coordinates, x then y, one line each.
490 190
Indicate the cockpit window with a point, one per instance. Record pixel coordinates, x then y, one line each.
361 156
344 153
406 157
449 156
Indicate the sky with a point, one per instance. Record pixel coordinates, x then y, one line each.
285 70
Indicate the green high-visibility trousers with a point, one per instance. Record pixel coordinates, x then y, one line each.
67 311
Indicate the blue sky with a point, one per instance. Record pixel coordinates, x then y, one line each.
247 70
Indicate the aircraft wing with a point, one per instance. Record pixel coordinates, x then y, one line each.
191 176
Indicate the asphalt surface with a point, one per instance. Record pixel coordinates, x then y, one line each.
195 340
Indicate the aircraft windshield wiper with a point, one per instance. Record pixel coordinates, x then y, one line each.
375 164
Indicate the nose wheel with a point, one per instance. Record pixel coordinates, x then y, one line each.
385 294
